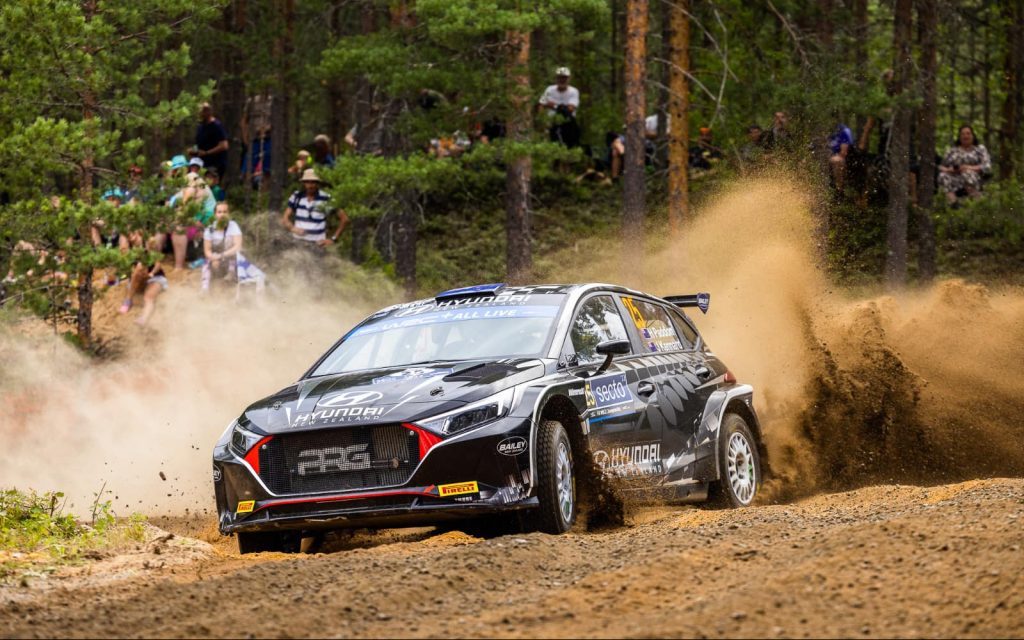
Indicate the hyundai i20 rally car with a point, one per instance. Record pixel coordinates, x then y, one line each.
485 400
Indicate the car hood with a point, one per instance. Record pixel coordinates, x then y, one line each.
389 395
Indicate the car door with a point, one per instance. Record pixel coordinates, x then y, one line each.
622 442
670 366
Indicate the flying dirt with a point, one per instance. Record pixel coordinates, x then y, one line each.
915 387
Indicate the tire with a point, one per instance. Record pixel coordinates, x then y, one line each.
556 480
263 541
739 464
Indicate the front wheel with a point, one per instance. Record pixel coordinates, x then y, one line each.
556 482
739 464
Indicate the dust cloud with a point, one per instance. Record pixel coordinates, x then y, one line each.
141 426
918 386
924 385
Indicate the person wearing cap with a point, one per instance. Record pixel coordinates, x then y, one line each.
322 151
195 165
704 155
307 212
562 101
211 140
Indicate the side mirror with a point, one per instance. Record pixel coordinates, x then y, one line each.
609 349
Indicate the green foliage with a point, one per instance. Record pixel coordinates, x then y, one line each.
36 533
997 214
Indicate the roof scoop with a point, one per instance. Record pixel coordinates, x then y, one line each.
475 291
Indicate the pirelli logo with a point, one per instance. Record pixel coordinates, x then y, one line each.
457 489
245 506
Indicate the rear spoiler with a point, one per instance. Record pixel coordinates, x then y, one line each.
700 300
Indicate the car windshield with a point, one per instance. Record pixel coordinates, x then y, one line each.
487 328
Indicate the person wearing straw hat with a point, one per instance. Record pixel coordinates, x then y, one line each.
307 212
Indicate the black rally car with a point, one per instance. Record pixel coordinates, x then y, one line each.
483 400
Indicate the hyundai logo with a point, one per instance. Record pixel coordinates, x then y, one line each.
351 399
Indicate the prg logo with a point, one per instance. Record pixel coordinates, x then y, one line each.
330 459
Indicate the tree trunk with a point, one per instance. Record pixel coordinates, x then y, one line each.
83 317
664 96
519 258
362 226
899 148
232 89
405 249
928 26
279 110
860 51
633 183
679 109
1013 104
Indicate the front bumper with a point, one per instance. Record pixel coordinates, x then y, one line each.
485 481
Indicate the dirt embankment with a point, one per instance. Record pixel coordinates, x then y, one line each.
880 561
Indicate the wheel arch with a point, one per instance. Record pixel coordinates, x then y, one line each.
560 408
741 406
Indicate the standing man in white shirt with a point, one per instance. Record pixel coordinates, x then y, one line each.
562 101
310 209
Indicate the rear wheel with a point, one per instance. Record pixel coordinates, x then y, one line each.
738 462
555 477
263 541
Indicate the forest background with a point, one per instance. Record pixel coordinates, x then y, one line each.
90 88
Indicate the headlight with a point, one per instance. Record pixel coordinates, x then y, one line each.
474 415
242 440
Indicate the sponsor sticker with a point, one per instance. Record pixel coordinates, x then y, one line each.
609 391
245 506
512 446
331 459
457 489
631 460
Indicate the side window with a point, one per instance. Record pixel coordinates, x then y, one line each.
654 325
685 331
597 321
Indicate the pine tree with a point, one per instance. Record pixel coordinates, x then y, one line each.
72 89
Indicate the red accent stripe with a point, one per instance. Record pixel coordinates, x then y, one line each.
427 438
253 457
428 491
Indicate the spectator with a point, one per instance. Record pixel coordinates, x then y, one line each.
195 166
222 247
963 166
256 137
562 102
213 182
302 162
211 140
149 281
492 129
839 144
617 144
704 155
222 244
195 194
309 208
322 151
777 137
751 150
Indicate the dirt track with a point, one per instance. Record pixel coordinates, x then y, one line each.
880 561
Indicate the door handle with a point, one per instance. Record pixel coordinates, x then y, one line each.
702 372
645 388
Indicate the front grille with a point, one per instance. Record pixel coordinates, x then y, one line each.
359 457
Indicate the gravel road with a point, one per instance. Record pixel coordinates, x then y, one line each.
879 561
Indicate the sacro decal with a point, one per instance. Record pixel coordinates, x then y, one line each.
351 398
512 446
330 459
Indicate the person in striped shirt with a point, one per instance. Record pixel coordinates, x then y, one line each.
307 212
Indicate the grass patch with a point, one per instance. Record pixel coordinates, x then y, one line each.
36 536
